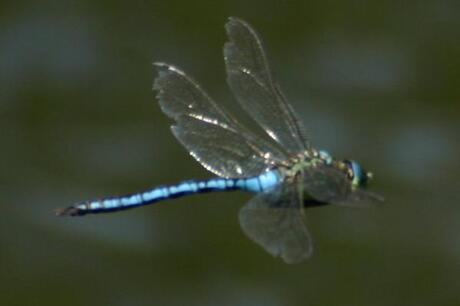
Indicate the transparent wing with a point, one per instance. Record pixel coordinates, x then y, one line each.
212 137
274 220
250 78
330 185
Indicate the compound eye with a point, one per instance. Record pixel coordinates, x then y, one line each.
349 171
360 176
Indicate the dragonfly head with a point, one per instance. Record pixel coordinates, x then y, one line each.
357 174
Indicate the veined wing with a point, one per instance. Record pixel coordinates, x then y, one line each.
250 78
330 185
212 137
274 220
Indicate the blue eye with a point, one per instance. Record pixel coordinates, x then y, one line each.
359 175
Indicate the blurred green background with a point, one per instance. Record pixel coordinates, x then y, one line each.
377 81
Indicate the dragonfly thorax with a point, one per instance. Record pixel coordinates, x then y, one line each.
308 159
311 158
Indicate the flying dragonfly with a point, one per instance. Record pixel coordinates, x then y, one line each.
286 174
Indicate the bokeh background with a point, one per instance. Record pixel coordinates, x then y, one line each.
377 81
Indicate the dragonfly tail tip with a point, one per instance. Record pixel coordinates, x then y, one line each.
69 211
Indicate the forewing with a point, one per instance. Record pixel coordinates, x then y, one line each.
250 78
328 184
212 137
274 220
219 148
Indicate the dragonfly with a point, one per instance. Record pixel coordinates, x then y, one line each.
283 171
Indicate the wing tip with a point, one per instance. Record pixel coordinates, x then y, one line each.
159 64
164 69
235 21
163 66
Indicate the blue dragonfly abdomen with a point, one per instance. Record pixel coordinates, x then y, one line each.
263 182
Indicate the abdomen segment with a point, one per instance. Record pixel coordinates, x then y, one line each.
260 183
